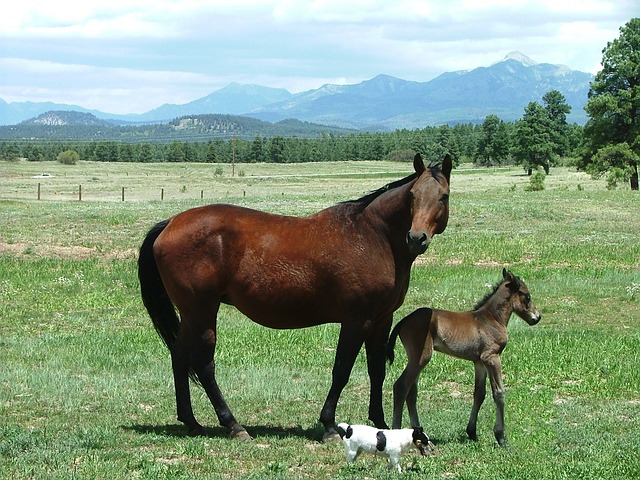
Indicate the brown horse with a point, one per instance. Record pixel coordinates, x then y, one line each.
479 336
347 264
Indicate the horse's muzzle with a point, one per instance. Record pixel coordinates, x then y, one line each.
418 243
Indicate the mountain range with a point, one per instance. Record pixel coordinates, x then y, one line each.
382 103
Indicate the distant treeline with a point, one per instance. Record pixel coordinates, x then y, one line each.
486 144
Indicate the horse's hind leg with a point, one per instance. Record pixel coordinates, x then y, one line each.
194 350
479 392
202 361
181 366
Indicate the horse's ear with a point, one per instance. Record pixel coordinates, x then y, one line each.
447 165
418 164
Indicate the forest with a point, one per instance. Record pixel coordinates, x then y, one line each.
494 142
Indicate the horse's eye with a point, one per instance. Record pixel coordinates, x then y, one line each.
527 298
444 198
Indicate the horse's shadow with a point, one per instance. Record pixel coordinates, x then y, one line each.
174 430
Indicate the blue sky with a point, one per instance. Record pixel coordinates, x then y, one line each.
130 56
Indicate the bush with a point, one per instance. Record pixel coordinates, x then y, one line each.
536 182
68 157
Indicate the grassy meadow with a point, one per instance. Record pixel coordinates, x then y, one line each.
85 384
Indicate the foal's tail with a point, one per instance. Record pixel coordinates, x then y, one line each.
154 294
391 343
422 314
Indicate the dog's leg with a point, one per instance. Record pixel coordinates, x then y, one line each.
351 454
394 462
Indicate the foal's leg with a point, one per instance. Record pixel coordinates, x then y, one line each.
375 346
494 367
349 343
419 351
479 393
405 389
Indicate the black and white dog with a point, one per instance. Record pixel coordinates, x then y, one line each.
388 443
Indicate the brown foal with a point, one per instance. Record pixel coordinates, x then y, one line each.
479 336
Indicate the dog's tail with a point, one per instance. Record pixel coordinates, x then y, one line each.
345 430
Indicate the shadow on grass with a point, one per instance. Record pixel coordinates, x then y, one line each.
176 430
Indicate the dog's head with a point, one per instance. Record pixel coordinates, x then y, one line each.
421 441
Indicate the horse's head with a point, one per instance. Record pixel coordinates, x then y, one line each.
521 298
429 204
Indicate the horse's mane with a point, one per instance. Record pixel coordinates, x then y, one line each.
494 289
362 202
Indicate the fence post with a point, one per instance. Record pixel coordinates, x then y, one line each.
123 194
79 193
201 194
38 190
162 194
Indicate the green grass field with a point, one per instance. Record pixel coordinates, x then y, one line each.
85 384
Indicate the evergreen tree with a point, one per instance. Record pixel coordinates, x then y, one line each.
533 146
555 104
614 103
493 145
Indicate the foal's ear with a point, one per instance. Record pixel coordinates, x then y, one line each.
418 164
514 283
505 274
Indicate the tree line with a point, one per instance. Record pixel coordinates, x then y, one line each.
494 142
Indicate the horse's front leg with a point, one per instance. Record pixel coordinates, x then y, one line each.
479 393
349 343
375 345
494 368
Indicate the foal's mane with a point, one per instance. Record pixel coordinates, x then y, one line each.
490 294
362 202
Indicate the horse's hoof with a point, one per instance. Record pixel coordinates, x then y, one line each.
241 435
331 436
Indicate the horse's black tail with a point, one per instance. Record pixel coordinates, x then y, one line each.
154 294
391 343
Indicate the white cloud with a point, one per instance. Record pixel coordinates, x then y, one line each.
133 55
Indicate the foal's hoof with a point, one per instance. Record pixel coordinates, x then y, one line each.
331 436
241 435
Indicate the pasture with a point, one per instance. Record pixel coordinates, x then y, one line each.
85 383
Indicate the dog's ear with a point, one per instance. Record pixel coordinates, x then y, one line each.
381 441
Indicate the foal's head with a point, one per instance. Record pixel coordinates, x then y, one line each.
520 298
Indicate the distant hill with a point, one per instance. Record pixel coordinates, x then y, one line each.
62 117
233 99
70 125
387 103
382 103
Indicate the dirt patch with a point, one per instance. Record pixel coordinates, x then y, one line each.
74 252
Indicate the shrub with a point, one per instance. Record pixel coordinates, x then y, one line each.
68 157
536 182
